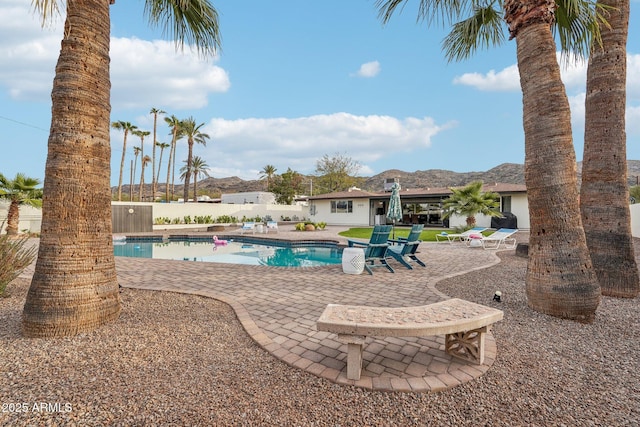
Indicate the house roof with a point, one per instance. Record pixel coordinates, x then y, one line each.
497 187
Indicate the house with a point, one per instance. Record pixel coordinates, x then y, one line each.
356 207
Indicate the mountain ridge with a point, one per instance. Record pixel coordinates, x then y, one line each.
505 173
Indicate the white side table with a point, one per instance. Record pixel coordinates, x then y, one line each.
260 228
353 260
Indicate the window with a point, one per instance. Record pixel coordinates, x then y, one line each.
341 206
506 203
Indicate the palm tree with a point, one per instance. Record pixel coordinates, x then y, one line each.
470 201
19 191
145 160
162 146
155 112
175 125
191 131
199 167
136 153
268 172
126 127
560 278
141 134
604 194
74 287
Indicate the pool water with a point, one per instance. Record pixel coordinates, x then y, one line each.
232 253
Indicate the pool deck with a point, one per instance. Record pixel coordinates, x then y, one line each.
279 307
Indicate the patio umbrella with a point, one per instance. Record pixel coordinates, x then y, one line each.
395 207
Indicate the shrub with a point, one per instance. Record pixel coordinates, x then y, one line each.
15 258
321 225
300 226
187 219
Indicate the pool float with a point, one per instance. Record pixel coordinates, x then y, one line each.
217 241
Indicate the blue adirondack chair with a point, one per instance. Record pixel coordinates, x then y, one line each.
376 248
406 247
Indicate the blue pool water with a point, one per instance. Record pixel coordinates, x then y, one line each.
234 252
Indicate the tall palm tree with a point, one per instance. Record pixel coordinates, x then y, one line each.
19 191
191 131
469 201
268 172
560 278
74 288
136 153
155 112
126 127
604 194
162 146
175 125
141 134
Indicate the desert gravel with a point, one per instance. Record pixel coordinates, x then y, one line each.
183 360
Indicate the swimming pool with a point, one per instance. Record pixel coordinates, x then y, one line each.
247 252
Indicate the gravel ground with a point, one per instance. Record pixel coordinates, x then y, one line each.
185 360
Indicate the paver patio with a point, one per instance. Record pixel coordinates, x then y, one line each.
278 308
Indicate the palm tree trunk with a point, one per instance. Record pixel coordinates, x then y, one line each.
124 152
560 279
604 195
141 190
74 288
13 218
173 170
187 174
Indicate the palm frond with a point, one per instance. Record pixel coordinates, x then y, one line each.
482 30
194 22
577 28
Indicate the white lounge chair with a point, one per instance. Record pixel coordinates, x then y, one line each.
248 226
446 237
500 237
272 226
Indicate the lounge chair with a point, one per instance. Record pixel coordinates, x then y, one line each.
376 248
406 247
462 237
272 226
493 241
248 226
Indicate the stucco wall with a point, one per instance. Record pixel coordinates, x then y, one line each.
322 213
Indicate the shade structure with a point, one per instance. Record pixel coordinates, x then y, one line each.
394 213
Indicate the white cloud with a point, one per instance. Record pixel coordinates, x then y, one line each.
247 145
508 79
143 73
369 69
505 80
147 73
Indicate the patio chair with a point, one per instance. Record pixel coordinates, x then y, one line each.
375 249
462 237
248 226
493 241
406 247
272 226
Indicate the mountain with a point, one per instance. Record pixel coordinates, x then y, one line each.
506 173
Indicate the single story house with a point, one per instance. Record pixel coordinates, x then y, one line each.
356 207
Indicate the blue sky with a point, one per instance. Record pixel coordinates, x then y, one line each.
295 80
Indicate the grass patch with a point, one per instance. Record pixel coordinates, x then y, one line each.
365 233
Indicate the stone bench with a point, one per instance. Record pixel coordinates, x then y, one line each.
463 323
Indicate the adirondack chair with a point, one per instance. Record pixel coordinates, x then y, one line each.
404 248
375 249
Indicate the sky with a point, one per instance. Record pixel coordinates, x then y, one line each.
295 80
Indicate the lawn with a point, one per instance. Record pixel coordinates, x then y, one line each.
365 233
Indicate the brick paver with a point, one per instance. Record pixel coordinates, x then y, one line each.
278 308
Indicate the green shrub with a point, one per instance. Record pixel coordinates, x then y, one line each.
15 258
300 226
187 219
321 225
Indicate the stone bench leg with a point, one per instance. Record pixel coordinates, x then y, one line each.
467 345
354 354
